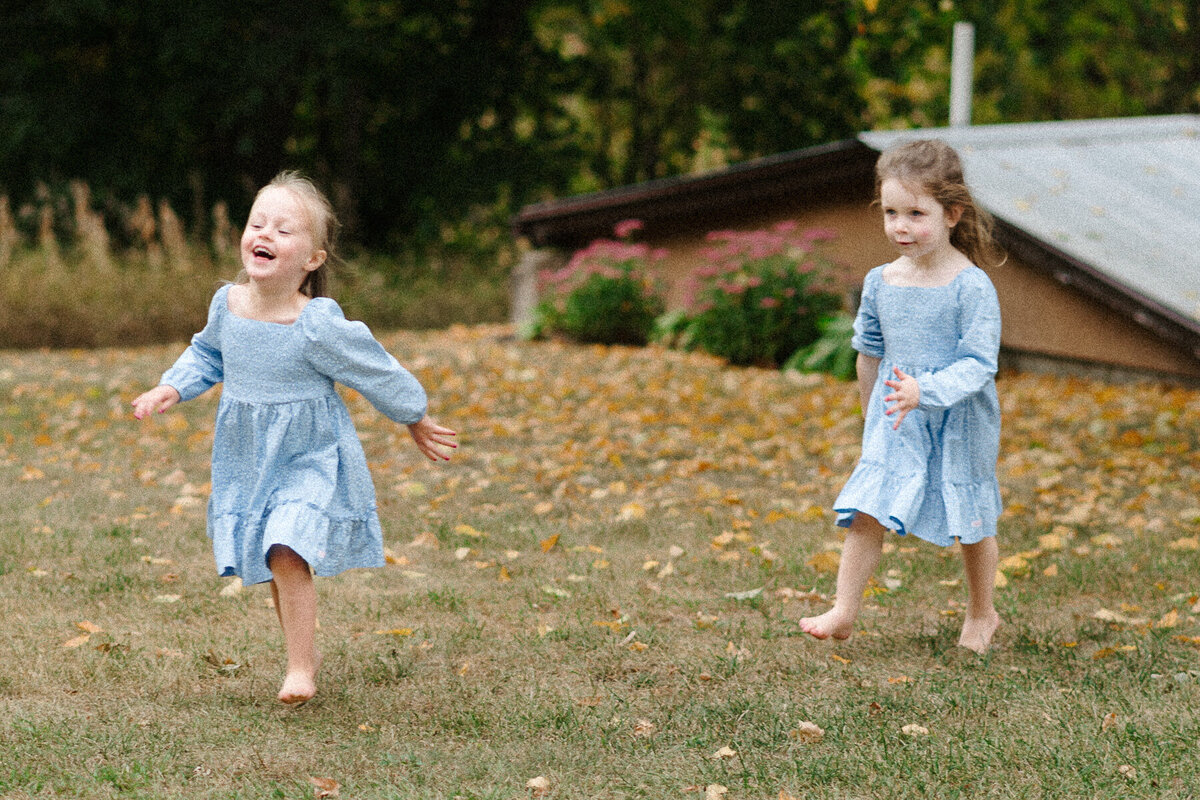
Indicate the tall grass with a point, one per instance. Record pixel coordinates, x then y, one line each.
71 276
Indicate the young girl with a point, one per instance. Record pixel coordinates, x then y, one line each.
928 337
291 493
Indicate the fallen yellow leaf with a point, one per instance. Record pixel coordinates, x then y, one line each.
632 511
1050 541
549 542
1168 620
825 562
1105 652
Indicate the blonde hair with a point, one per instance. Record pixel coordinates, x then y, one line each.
323 223
935 168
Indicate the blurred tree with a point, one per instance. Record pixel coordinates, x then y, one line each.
419 113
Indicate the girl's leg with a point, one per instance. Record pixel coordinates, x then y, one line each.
860 556
980 560
296 604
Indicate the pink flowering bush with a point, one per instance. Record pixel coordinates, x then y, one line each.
760 295
605 294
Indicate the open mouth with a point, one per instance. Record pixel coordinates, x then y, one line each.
262 252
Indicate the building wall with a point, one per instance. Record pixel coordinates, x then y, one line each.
1040 316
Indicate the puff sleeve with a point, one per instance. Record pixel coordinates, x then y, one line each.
976 358
200 367
868 333
346 352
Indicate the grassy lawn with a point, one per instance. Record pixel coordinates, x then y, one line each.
598 598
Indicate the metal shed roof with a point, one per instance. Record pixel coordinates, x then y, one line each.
1119 197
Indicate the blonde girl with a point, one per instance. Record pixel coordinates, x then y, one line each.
291 493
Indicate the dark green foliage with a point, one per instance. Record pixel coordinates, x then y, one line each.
604 295
760 297
831 353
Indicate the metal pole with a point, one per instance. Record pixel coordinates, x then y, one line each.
962 72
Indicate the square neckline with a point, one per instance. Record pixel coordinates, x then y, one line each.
229 310
947 284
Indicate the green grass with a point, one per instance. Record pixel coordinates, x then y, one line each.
612 662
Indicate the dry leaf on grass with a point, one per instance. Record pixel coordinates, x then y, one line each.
1109 722
913 729
715 791
1168 620
825 562
425 539
807 733
643 728
539 786
723 753
325 787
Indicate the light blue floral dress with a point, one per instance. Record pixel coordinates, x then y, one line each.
287 465
935 477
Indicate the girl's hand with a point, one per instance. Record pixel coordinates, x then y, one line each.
159 399
432 439
907 395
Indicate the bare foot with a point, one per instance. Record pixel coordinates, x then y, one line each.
299 686
977 632
832 623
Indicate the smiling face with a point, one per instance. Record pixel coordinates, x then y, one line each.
914 221
278 245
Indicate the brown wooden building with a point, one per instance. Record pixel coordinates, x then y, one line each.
1100 218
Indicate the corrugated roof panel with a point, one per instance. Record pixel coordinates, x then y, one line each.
1122 195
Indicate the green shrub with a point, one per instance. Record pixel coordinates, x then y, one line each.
832 352
605 294
760 296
